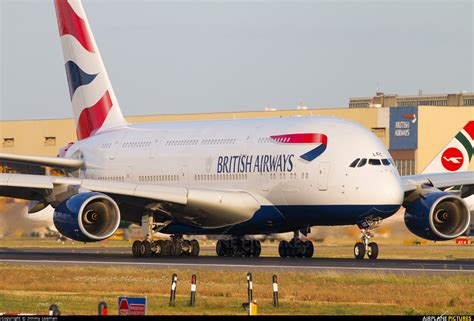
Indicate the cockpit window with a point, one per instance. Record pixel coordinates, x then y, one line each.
354 163
386 162
362 162
374 161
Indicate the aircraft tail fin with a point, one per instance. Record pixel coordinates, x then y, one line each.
94 104
457 155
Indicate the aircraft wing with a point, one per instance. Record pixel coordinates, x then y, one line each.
414 184
437 180
200 207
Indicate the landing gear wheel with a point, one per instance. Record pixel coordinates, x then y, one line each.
256 248
247 248
283 248
145 248
194 248
177 249
186 248
297 248
359 250
136 248
373 250
221 248
159 247
166 248
237 249
308 249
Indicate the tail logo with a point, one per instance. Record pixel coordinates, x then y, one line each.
452 159
92 97
305 138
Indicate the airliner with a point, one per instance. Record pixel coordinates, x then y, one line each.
233 178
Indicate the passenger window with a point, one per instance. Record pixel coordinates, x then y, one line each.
362 162
354 163
375 162
386 162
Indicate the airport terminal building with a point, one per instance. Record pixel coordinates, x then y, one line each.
413 133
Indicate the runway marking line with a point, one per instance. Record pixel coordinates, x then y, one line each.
237 266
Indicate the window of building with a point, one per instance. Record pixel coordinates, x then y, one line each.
405 166
8 142
468 102
50 141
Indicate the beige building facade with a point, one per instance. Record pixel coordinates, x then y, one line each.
426 130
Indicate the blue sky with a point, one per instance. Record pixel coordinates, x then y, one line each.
167 57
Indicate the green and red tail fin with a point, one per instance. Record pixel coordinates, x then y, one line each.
457 155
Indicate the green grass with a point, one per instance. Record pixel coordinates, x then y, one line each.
78 289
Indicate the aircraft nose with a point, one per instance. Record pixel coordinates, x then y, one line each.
390 189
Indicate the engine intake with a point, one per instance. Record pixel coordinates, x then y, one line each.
87 217
437 216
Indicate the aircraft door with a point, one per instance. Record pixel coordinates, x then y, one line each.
184 174
323 176
116 145
157 143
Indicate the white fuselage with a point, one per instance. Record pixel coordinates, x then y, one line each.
240 155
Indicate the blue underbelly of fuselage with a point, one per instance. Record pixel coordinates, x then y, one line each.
287 218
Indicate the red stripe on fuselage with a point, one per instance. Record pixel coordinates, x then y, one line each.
304 138
93 117
469 128
71 24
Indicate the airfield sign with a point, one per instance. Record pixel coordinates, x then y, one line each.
131 306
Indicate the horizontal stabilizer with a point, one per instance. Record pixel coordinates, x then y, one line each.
43 161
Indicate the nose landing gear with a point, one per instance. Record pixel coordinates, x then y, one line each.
366 247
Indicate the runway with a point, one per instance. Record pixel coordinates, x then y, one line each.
122 257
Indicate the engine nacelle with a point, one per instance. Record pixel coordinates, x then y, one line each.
87 217
437 216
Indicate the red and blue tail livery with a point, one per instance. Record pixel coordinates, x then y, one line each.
305 138
93 100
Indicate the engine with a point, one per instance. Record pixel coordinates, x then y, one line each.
87 217
437 216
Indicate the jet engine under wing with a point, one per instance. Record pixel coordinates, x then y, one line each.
201 207
43 161
437 180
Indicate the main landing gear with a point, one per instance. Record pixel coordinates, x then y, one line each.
176 246
296 247
366 247
239 247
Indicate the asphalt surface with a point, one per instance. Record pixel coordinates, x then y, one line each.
122 257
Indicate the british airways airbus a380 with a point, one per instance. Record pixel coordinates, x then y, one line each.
226 177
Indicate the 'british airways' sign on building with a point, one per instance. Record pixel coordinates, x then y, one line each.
403 128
